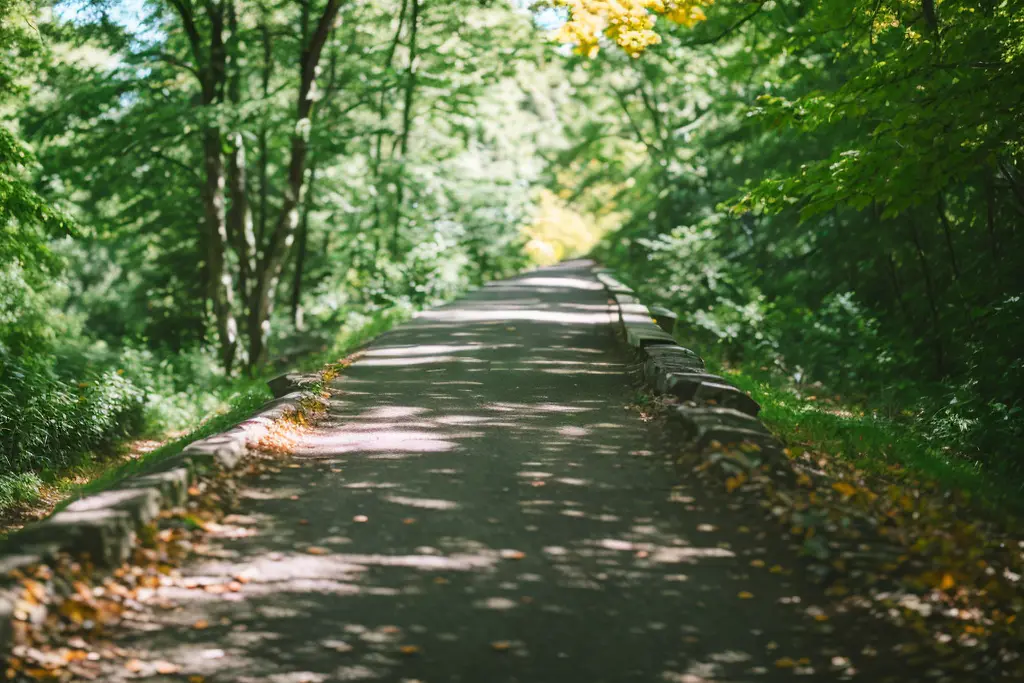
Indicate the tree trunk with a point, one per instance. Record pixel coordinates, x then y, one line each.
210 69
239 215
264 193
407 120
276 248
221 294
948 233
378 146
300 249
933 305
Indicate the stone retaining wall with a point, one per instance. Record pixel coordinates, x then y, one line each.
718 421
105 525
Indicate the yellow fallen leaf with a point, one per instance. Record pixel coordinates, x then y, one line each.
317 550
785 663
166 668
409 649
733 483
513 554
501 645
201 624
844 489
197 679
133 665
821 617
745 595
757 563
948 583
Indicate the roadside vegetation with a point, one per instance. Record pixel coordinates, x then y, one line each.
195 195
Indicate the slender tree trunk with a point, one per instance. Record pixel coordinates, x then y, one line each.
239 215
263 200
210 69
990 217
933 305
897 288
407 121
283 234
301 243
222 292
948 233
378 146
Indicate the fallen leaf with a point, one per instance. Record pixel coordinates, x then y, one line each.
409 650
134 665
785 663
166 668
317 550
501 645
512 554
844 489
360 518
745 595
201 624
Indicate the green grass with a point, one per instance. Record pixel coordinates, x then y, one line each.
881 446
19 489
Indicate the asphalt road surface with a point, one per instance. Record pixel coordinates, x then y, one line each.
487 504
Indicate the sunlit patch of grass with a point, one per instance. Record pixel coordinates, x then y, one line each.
879 445
19 489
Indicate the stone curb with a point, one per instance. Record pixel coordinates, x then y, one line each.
717 419
105 525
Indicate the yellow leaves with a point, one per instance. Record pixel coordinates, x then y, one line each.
844 489
409 650
790 663
317 550
628 23
501 645
947 583
744 595
733 483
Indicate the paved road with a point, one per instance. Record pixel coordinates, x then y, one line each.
494 511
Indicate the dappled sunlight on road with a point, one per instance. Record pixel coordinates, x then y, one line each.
490 509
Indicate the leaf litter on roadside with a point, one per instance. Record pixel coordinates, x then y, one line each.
909 552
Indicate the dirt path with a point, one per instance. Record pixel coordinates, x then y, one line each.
484 506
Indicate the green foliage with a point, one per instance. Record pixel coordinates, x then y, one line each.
19 489
832 191
422 151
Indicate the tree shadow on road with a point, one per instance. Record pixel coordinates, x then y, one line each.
485 504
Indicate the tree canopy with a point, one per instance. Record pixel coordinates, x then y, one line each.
191 190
